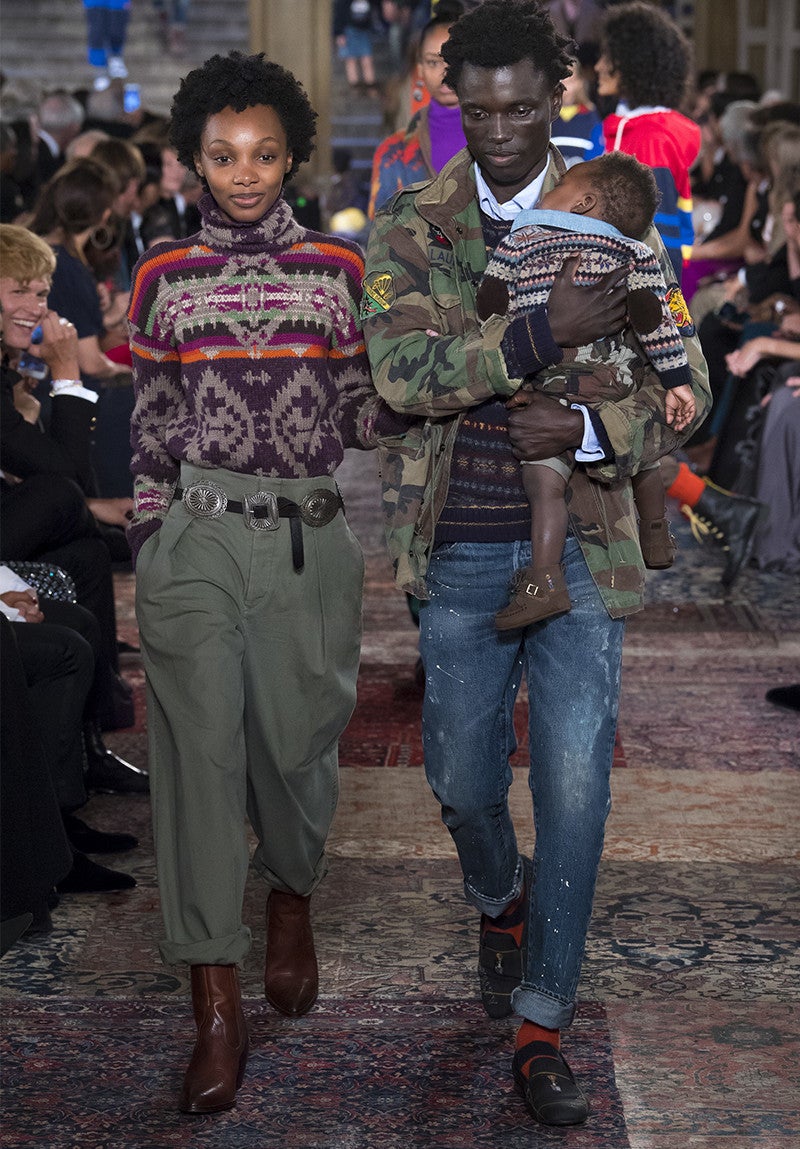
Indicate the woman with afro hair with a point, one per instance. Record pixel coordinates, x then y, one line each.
251 379
645 63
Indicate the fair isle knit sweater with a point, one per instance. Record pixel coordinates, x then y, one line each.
540 240
248 355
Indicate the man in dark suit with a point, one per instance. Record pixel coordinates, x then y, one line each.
60 118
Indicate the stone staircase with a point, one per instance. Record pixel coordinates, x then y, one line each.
44 47
44 44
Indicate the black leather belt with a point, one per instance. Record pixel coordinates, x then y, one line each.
263 510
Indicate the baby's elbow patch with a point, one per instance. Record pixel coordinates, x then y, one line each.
492 297
645 311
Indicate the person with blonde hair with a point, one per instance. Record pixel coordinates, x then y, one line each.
47 504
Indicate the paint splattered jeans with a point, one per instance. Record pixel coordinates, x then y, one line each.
572 665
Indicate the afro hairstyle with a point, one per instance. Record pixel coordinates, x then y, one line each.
502 32
649 52
238 81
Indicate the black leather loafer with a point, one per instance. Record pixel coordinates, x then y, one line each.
501 962
551 1092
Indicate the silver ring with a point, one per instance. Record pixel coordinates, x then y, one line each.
64 322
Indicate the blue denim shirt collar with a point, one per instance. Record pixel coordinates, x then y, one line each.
566 221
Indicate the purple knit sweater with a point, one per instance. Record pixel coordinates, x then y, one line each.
248 355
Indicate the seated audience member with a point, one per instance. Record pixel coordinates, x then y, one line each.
717 516
705 85
47 511
180 189
60 120
749 297
34 851
58 665
434 133
720 190
346 188
112 451
19 114
147 195
126 163
105 110
11 202
748 138
739 86
84 144
578 130
777 544
72 206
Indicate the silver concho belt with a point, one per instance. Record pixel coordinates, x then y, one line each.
262 510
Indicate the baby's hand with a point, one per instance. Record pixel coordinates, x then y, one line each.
681 407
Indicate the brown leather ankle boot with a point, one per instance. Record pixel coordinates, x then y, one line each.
220 1053
291 980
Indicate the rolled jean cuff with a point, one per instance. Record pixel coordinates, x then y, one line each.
493 907
542 1009
229 950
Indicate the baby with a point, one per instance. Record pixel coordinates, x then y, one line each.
595 212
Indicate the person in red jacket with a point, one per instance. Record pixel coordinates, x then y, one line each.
645 63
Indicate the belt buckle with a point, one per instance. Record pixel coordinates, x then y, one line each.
319 507
263 522
205 500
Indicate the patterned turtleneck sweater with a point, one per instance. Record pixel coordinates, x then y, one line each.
248 355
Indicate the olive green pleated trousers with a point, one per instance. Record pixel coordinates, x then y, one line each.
251 678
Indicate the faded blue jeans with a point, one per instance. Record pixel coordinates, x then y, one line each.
572 663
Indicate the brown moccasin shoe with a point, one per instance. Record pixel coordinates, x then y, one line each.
657 543
537 593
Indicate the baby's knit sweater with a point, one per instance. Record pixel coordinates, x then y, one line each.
248 355
528 260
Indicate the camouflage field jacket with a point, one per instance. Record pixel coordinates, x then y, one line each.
425 259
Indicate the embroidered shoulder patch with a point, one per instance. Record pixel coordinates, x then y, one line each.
378 294
679 310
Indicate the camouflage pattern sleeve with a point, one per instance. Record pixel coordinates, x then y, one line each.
426 357
636 426
360 415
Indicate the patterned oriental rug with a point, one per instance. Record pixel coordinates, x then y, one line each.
687 1032
398 1075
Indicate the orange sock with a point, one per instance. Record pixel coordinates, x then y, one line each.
529 1031
688 487
511 921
